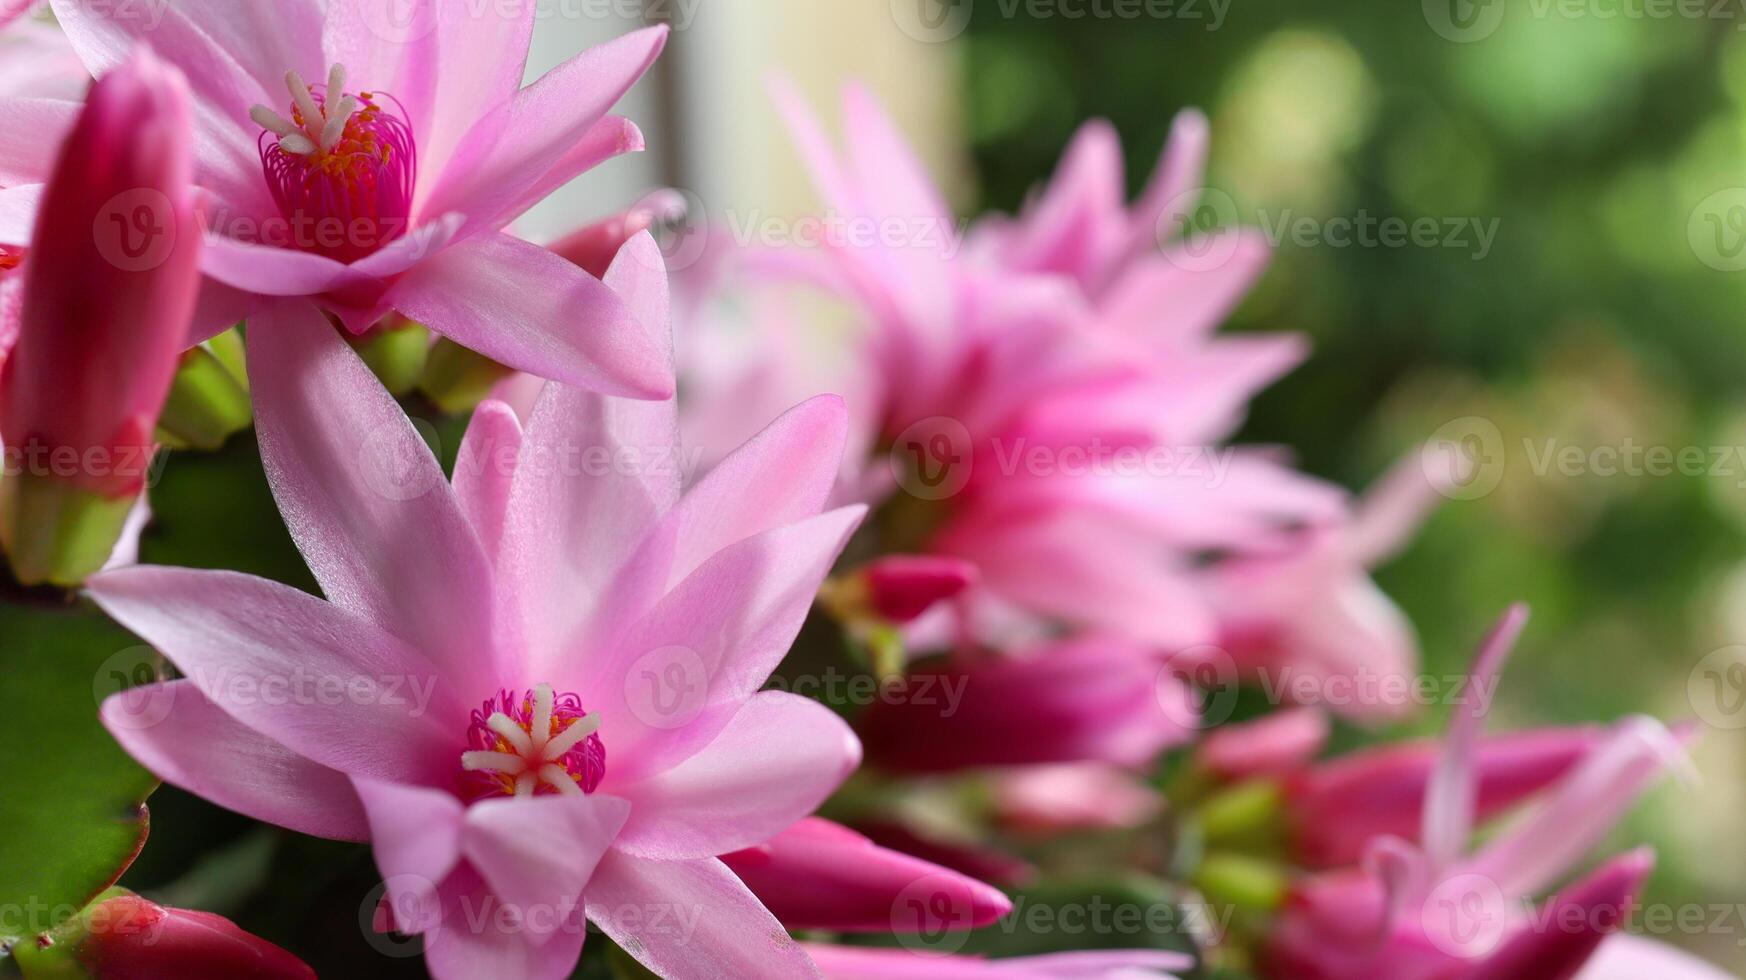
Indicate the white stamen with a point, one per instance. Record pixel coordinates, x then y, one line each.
511 732
541 727
336 80
305 102
524 784
271 121
336 122
566 740
297 144
503 762
555 777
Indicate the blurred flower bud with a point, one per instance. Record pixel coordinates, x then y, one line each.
126 937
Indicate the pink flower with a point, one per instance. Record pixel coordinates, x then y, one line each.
1065 443
37 63
1434 910
1087 699
550 671
821 875
99 319
851 963
364 158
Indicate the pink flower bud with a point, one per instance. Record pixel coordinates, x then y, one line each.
1270 746
820 875
109 287
902 587
130 938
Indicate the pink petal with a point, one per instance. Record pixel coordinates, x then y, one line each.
529 309
1073 226
1181 168
537 854
219 308
480 937
31 133
485 470
725 628
1627 957
712 928
269 270
608 138
1454 786
1173 302
327 683
784 474
862 963
520 143
208 753
415 833
18 213
365 500
227 160
600 471
775 762
1579 919
1580 810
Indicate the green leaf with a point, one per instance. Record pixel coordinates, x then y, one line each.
72 804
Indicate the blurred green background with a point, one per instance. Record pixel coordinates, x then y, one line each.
1607 313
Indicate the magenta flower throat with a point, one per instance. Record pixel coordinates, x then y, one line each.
341 168
539 744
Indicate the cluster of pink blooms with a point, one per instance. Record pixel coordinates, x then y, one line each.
1018 434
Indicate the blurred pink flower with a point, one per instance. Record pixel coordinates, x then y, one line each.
384 185
1067 444
1091 698
1072 796
37 62
1276 744
552 674
852 963
822 875
1436 911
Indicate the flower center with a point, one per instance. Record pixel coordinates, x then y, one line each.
341 167
540 742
